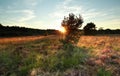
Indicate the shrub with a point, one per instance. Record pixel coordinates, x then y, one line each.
72 25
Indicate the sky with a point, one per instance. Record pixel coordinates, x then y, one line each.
48 14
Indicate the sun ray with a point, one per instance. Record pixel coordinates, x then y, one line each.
62 30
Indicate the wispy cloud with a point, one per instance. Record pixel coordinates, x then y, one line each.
29 14
64 8
23 15
31 2
66 2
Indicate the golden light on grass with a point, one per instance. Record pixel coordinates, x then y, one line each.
62 30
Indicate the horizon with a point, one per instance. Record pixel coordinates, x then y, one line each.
41 14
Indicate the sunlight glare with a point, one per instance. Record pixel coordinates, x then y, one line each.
62 30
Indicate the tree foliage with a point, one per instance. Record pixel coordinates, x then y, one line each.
72 25
89 29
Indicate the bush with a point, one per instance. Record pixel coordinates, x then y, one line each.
68 57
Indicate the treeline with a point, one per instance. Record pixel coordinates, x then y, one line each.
9 31
108 31
90 29
100 32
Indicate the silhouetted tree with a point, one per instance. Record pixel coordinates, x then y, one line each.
89 29
72 25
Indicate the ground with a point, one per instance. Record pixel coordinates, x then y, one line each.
48 56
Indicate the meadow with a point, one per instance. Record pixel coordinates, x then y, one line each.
48 56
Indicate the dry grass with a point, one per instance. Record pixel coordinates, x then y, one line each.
105 51
102 51
19 39
99 42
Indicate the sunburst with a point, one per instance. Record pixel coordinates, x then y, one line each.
62 30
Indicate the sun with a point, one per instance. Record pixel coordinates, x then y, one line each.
62 30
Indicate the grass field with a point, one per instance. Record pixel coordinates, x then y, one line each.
47 56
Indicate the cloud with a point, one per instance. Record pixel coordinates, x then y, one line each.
30 2
21 15
22 4
66 2
64 8
20 11
29 14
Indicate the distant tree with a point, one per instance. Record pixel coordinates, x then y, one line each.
101 28
108 31
89 29
72 25
100 31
